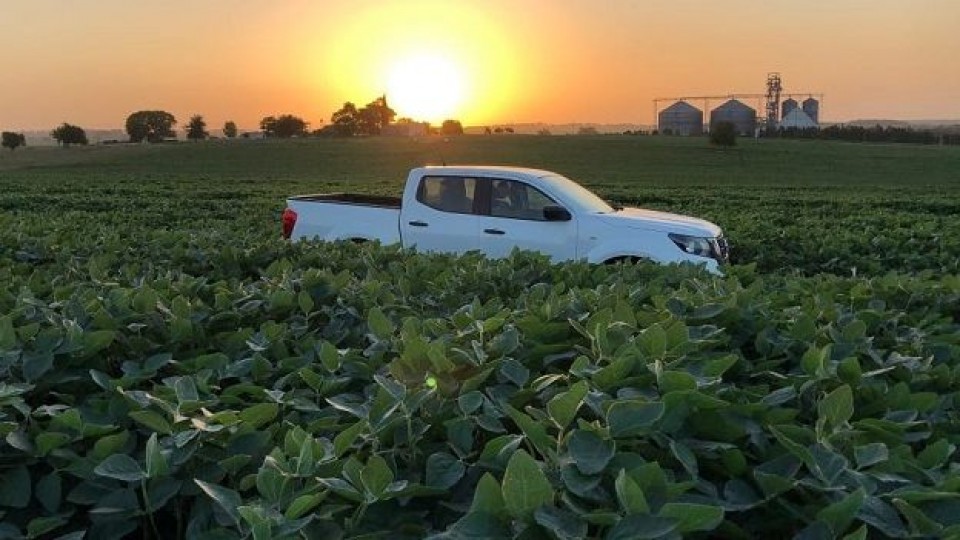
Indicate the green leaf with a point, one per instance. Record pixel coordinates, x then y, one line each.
305 302
653 341
344 440
718 366
628 418
35 366
562 524
589 452
8 336
156 462
839 515
49 492
15 488
870 454
303 504
379 324
630 495
50 441
859 534
563 407
94 342
151 420
42 525
376 476
109 444
672 381
444 470
120 467
936 454
641 527
227 499
329 356
525 487
535 431
919 523
837 406
259 415
487 498
693 517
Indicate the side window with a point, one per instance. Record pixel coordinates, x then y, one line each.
511 199
448 193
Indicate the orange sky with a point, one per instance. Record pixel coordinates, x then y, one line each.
92 63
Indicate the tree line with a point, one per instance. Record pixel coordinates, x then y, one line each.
155 126
877 133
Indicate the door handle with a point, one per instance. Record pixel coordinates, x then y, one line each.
419 224
493 231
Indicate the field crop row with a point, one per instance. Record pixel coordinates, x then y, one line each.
170 368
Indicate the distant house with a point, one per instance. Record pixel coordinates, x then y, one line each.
253 135
406 129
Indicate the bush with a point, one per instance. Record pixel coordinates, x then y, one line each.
723 134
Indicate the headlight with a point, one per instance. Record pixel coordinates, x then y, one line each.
695 245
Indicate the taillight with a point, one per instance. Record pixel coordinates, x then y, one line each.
289 220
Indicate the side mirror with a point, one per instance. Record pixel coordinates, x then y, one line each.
556 213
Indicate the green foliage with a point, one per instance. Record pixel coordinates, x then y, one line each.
197 128
67 134
11 140
204 379
230 129
150 126
451 127
284 126
723 134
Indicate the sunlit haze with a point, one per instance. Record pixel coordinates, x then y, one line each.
483 62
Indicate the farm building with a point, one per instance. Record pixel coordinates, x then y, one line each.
743 118
788 106
681 118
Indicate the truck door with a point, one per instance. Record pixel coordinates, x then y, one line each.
443 217
517 218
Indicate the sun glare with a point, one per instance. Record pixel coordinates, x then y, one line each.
426 87
433 59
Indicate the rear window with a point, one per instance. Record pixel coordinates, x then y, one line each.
454 194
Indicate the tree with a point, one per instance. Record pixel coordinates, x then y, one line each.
197 128
373 117
152 126
230 129
284 126
723 134
451 127
68 134
13 140
346 121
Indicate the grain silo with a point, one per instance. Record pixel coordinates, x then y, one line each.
788 107
743 118
681 118
812 107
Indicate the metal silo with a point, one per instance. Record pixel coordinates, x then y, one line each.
681 118
743 118
812 107
788 107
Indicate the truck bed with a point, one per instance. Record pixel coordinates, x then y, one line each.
358 199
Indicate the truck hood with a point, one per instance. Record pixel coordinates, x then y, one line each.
638 218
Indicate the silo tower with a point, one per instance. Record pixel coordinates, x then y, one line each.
681 118
788 107
743 118
812 107
774 87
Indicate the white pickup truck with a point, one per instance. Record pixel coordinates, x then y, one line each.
455 209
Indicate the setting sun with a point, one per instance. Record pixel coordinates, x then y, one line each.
427 87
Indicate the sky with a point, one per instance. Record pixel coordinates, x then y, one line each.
94 62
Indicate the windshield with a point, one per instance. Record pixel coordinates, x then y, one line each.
576 194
